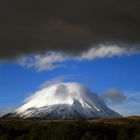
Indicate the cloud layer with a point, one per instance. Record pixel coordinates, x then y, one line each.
32 26
54 59
126 103
114 95
130 106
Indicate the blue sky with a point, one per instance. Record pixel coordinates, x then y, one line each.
120 72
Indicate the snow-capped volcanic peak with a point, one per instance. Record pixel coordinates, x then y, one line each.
66 100
60 93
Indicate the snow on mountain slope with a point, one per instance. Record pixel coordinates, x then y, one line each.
64 101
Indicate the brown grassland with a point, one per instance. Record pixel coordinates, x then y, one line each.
97 129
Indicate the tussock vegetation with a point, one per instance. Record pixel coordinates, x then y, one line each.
98 129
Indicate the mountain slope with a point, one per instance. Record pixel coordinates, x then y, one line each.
63 101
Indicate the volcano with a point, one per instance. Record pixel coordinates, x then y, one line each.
63 101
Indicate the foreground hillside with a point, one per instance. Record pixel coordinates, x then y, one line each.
98 129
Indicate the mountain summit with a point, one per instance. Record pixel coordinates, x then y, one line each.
63 101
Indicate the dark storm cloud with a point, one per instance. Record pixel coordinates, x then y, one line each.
33 26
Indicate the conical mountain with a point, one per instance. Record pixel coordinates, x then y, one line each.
63 101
